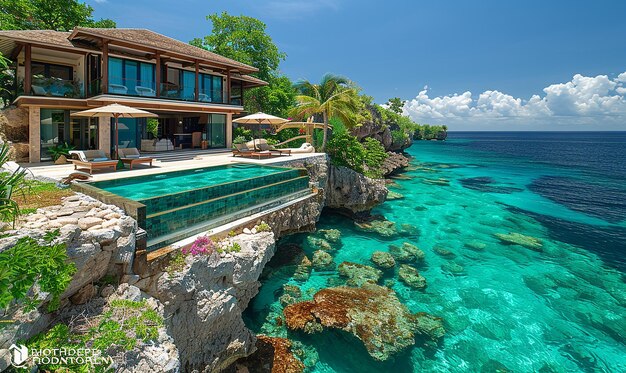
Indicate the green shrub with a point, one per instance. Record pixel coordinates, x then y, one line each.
240 131
366 158
28 263
240 140
263 227
10 185
399 136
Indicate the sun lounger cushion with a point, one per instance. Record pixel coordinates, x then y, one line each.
100 159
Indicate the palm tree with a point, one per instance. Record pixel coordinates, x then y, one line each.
334 96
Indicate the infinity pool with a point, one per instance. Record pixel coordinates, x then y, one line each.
143 187
174 205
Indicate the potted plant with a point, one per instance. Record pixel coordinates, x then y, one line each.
60 152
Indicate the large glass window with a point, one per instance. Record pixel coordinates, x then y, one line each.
189 85
58 127
128 129
52 130
211 88
128 77
216 131
54 80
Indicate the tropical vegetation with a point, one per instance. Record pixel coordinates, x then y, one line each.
31 262
11 185
333 97
59 15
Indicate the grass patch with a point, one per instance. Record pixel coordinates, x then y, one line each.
40 194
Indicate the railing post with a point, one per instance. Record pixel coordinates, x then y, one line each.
158 74
197 81
105 67
27 69
227 86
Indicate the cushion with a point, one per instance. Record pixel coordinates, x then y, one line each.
263 146
100 159
132 156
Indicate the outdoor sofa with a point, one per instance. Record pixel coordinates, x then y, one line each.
131 156
91 160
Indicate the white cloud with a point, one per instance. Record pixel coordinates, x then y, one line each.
582 100
101 1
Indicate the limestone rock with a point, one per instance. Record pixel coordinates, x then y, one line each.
407 253
411 277
353 193
359 274
322 260
84 294
528 242
372 313
88 222
383 260
384 228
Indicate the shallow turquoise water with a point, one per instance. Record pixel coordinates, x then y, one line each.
562 309
138 188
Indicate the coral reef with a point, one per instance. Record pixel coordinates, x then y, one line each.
383 260
359 274
372 313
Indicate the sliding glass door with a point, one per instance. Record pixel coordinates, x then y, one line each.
216 131
59 127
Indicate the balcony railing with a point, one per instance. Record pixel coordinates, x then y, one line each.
56 87
131 87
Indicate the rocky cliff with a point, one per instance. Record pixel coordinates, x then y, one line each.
352 193
380 130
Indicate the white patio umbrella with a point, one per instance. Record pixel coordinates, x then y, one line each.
260 118
115 111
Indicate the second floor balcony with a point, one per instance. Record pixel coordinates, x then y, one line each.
56 87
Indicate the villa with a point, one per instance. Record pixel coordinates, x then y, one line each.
194 92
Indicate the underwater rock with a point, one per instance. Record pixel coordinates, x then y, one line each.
420 208
292 290
384 228
372 313
383 260
443 252
322 260
493 366
287 299
401 177
291 260
487 185
318 243
407 253
331 235
475 245
520 239
359 274
440 181
453 268
409 230
411 277
274 355
394 195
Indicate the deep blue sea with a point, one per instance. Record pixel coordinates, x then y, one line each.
506 306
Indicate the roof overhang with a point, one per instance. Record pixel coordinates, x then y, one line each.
102 100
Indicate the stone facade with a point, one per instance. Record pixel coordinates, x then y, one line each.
14 128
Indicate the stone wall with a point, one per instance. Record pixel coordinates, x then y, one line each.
100 239
14 128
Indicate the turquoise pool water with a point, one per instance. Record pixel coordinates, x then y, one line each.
562 309
143 187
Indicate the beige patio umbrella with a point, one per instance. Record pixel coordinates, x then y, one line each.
260 118
115 111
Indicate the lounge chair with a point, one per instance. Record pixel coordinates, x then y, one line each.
261 145
145 91
91 160
304 148
243 151
118 89
131 156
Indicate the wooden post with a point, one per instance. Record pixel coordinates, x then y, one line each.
158 74
227 86
197 81
105 66
27 69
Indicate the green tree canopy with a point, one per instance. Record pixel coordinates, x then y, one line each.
396 104
60 15
243 39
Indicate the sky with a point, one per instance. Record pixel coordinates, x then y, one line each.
472 65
